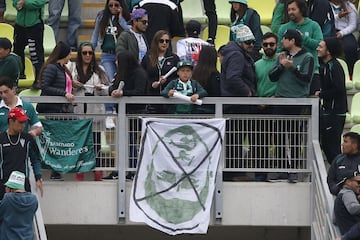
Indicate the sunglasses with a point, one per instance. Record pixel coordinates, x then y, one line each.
164 40
270 44
144 21
90 53
114 5
249 42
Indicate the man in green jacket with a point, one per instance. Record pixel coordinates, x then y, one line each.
29 30
293 72
10 63
310 31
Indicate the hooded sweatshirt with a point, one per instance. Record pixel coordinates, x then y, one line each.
311 34
17 211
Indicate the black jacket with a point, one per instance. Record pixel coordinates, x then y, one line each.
53 83
333 91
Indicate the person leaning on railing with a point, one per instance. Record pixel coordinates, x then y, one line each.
55 80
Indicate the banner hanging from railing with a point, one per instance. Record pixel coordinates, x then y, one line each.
175 180
67 145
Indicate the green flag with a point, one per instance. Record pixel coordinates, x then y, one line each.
67 146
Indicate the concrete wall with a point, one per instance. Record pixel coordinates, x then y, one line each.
244 203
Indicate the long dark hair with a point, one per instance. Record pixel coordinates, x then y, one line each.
107 16
93 67
206 65
127 63
233 12
154 47
53 58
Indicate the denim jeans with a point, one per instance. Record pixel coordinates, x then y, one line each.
108 62
74 19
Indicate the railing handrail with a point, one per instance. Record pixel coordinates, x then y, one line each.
320 171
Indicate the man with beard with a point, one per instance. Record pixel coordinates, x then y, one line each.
265 88
134 39
310 31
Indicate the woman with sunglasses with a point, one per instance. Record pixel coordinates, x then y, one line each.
110 22
158 61
89 79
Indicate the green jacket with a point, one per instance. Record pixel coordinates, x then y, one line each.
31 13
265 87
311 33
294 82
11 66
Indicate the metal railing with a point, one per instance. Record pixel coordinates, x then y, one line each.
253 143
322 227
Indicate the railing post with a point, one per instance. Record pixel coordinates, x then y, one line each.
121 157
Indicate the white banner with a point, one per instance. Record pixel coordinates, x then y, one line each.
175 180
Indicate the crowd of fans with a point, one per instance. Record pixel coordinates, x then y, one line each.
297 59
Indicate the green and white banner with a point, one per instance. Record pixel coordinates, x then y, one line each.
175 180
67 145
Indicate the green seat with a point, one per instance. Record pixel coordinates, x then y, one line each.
348 118
10 13
355 108
193 10
265 29
30 75
356 75
30 93
222 35
6 30
264 8
49 41
104 146
355 128
348 83
223 12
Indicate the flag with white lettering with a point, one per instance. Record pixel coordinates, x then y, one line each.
175 180
67 145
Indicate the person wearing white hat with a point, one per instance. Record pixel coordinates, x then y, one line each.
17 209
238 79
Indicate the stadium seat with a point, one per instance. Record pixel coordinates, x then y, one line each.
49 41
30 93
356 75
355 128
6 30
348 83
355 108
223 12
264 8
30 75
222 35
265 29
104 147
193 10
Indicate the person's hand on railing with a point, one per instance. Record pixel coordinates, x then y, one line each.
69 97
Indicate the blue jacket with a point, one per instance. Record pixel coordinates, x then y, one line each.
238 77
17 211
